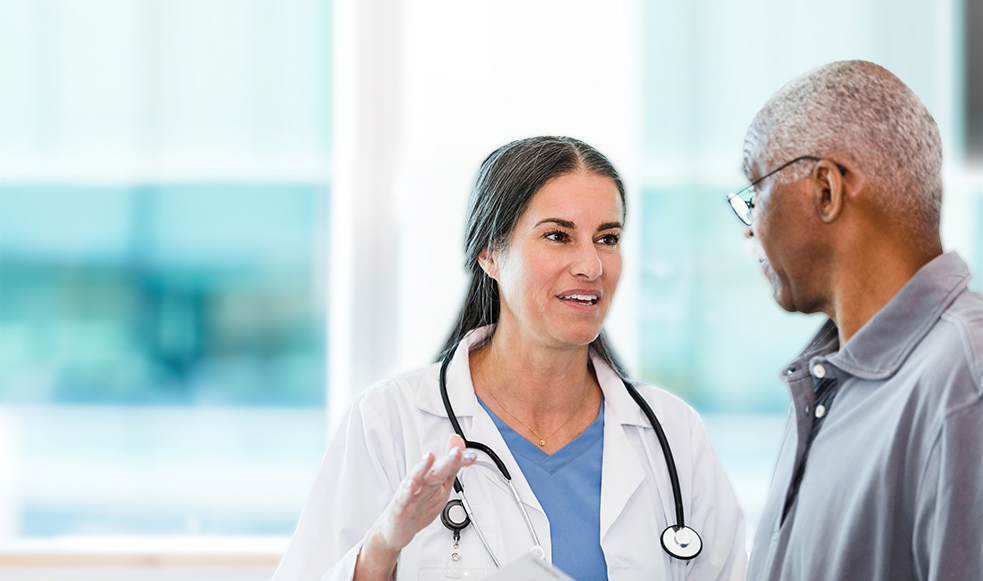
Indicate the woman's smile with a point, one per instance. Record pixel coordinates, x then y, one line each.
585 300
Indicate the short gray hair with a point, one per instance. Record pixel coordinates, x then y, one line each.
860 110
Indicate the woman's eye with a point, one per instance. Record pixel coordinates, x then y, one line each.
610 239
557 236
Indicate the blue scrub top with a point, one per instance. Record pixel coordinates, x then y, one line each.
568 486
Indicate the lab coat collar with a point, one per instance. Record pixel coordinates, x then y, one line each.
460 390
618 403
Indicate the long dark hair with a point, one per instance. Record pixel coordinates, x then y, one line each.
506 182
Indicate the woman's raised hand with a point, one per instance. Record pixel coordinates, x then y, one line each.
420 498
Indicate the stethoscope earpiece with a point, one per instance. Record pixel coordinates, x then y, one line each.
681 542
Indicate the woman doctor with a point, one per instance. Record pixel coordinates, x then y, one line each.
529 375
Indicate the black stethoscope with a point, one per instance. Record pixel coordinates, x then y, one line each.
678 540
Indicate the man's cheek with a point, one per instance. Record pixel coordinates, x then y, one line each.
755 250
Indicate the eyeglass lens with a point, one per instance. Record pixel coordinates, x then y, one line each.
740 208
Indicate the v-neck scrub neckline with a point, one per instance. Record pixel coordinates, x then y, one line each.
567 484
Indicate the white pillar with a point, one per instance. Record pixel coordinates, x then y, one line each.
363 270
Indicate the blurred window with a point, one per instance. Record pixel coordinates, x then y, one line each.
164 190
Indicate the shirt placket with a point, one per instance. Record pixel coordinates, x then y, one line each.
814 411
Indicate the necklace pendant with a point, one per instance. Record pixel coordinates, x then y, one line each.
542 443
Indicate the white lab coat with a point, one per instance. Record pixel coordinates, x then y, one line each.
393 424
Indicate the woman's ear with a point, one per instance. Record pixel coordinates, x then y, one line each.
486 260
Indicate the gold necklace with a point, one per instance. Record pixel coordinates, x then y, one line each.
542 439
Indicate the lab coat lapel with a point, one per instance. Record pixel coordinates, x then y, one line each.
621 474
460 390
479 427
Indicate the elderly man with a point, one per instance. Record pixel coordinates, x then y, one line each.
880 475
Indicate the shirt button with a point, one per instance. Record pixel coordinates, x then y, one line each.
820 410
819 371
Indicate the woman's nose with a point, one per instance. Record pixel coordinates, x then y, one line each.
588 263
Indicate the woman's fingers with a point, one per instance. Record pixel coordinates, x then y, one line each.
423 493
419 474
444 469
412 484
445 466
431 476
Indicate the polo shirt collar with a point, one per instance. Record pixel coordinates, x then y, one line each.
883 344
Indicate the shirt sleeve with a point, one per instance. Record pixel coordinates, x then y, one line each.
358 476
715 515
948 536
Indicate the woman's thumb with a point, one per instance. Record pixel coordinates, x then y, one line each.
455 440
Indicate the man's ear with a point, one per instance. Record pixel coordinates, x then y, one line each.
828 190
487 261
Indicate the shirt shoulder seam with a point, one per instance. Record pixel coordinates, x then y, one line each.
938 433
966 343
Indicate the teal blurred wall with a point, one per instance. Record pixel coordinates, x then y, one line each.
161 294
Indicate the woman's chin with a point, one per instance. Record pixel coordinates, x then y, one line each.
577 336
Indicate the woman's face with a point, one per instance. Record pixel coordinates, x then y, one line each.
559 272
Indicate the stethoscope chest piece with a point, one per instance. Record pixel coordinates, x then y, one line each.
681 542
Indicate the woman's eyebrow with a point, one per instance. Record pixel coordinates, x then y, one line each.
568 224
558 222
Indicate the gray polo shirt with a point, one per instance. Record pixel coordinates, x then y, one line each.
893 480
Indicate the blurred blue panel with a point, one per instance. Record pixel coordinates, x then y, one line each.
65 223
225 225
162 294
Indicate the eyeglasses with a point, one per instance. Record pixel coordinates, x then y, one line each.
743 207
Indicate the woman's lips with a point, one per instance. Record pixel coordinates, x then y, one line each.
579 298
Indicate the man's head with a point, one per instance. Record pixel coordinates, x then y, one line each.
873 170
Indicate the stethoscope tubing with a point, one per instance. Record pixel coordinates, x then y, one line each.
477 529
677 494
498 464
670 537
457 428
